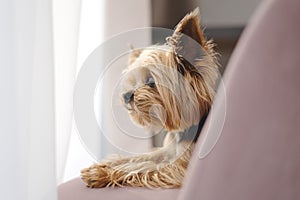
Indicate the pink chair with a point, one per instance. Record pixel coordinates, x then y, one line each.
258 153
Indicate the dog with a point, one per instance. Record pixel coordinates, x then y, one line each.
168 87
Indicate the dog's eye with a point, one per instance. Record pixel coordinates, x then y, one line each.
150 82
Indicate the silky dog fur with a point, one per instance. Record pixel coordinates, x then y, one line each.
167 87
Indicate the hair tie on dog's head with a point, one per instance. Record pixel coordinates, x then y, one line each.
171 41
174 42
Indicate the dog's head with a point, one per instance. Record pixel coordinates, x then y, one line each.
171 86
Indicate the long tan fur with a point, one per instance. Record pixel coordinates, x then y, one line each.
179 96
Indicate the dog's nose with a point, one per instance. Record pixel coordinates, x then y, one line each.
128 97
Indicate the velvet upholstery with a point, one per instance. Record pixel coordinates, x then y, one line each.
76 190
258 153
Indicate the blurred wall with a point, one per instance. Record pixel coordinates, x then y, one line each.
229 13
224 21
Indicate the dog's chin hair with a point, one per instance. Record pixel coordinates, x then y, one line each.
149 111
150 123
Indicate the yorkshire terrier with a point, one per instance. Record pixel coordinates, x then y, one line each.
167 87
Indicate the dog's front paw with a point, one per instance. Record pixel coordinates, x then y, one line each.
96 176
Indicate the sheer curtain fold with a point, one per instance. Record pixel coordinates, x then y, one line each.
66 20
27 101
90 36
43 44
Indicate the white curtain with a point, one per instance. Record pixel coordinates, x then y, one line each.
66 19
90 35
43 45
27 101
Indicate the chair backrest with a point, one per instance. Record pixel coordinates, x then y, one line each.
258 153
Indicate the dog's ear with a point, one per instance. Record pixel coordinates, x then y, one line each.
134 54
188 37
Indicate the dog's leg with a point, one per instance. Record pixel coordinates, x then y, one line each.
161 168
